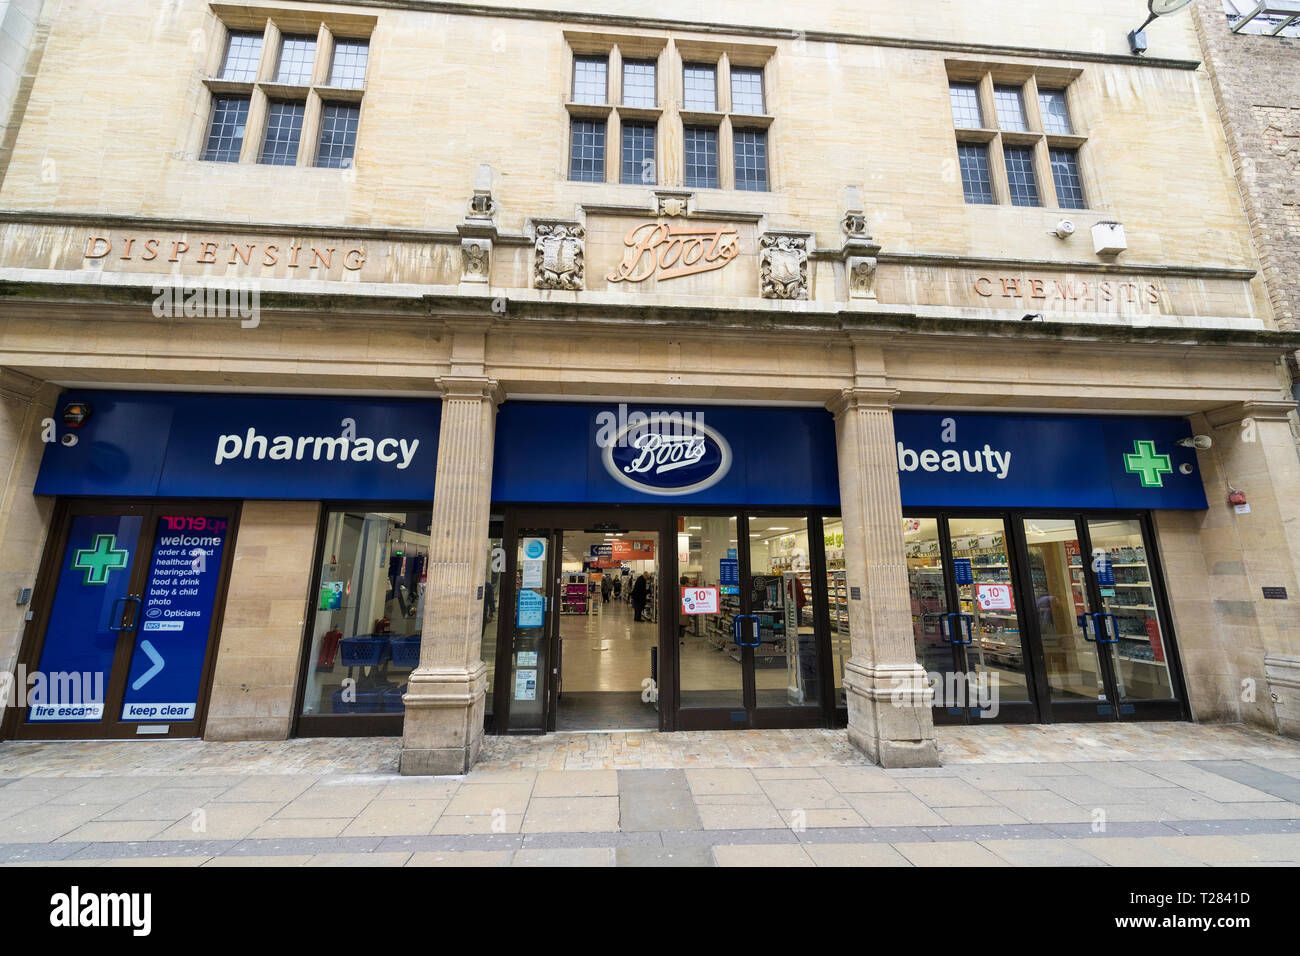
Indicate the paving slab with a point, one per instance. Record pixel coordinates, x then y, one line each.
762 855
661 800
855 854
949 854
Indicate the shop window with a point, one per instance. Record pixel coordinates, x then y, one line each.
837 594
925 582
787 672
366 628
710 662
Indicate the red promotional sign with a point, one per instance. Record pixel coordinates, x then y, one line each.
699 600
629 549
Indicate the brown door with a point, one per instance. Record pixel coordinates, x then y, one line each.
124 620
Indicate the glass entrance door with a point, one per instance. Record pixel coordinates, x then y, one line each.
757 661
966 618
1020 617
1097 603
1131 637
124 612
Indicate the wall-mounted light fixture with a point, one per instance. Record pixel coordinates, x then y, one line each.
1137 39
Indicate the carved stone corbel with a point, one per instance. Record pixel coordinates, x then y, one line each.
859 250
478 230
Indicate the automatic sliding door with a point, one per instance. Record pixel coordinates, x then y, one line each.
1133 640
929 594
711 672
986 599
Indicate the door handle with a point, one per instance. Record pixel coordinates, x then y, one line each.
954 634
1083 623
1102 631
738 629
117 615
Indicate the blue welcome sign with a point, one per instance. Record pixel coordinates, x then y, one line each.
171 640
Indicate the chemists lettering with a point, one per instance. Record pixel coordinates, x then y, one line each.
328 447
997 463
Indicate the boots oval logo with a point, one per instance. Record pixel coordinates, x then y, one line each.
667 456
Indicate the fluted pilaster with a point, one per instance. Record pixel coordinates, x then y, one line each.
887 692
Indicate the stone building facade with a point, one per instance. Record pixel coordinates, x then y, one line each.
1252 68
868 246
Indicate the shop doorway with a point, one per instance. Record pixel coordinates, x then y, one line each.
125 616
755 653
608 630
1040 618
580 624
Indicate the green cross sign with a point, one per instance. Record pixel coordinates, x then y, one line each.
1147 465
100 559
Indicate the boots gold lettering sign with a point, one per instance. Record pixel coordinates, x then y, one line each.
672 251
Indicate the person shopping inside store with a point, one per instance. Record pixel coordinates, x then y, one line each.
640 591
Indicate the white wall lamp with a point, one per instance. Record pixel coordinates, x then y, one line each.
1137 40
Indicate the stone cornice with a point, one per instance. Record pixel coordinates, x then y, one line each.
118 221
624 21
1277 411
750 318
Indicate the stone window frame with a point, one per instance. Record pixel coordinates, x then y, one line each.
1029 80
613 112
669 117
262 89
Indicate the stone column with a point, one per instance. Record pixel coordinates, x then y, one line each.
27 416
889 696
445 694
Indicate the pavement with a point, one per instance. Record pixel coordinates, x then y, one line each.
1169 794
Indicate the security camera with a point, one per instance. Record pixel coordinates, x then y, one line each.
1201 442
1064 229
69 440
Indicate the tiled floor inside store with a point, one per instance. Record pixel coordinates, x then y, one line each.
1161 793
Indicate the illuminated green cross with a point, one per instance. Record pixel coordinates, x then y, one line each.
100 559
1147 465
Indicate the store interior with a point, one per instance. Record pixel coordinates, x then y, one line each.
366 634
608 634
786 672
